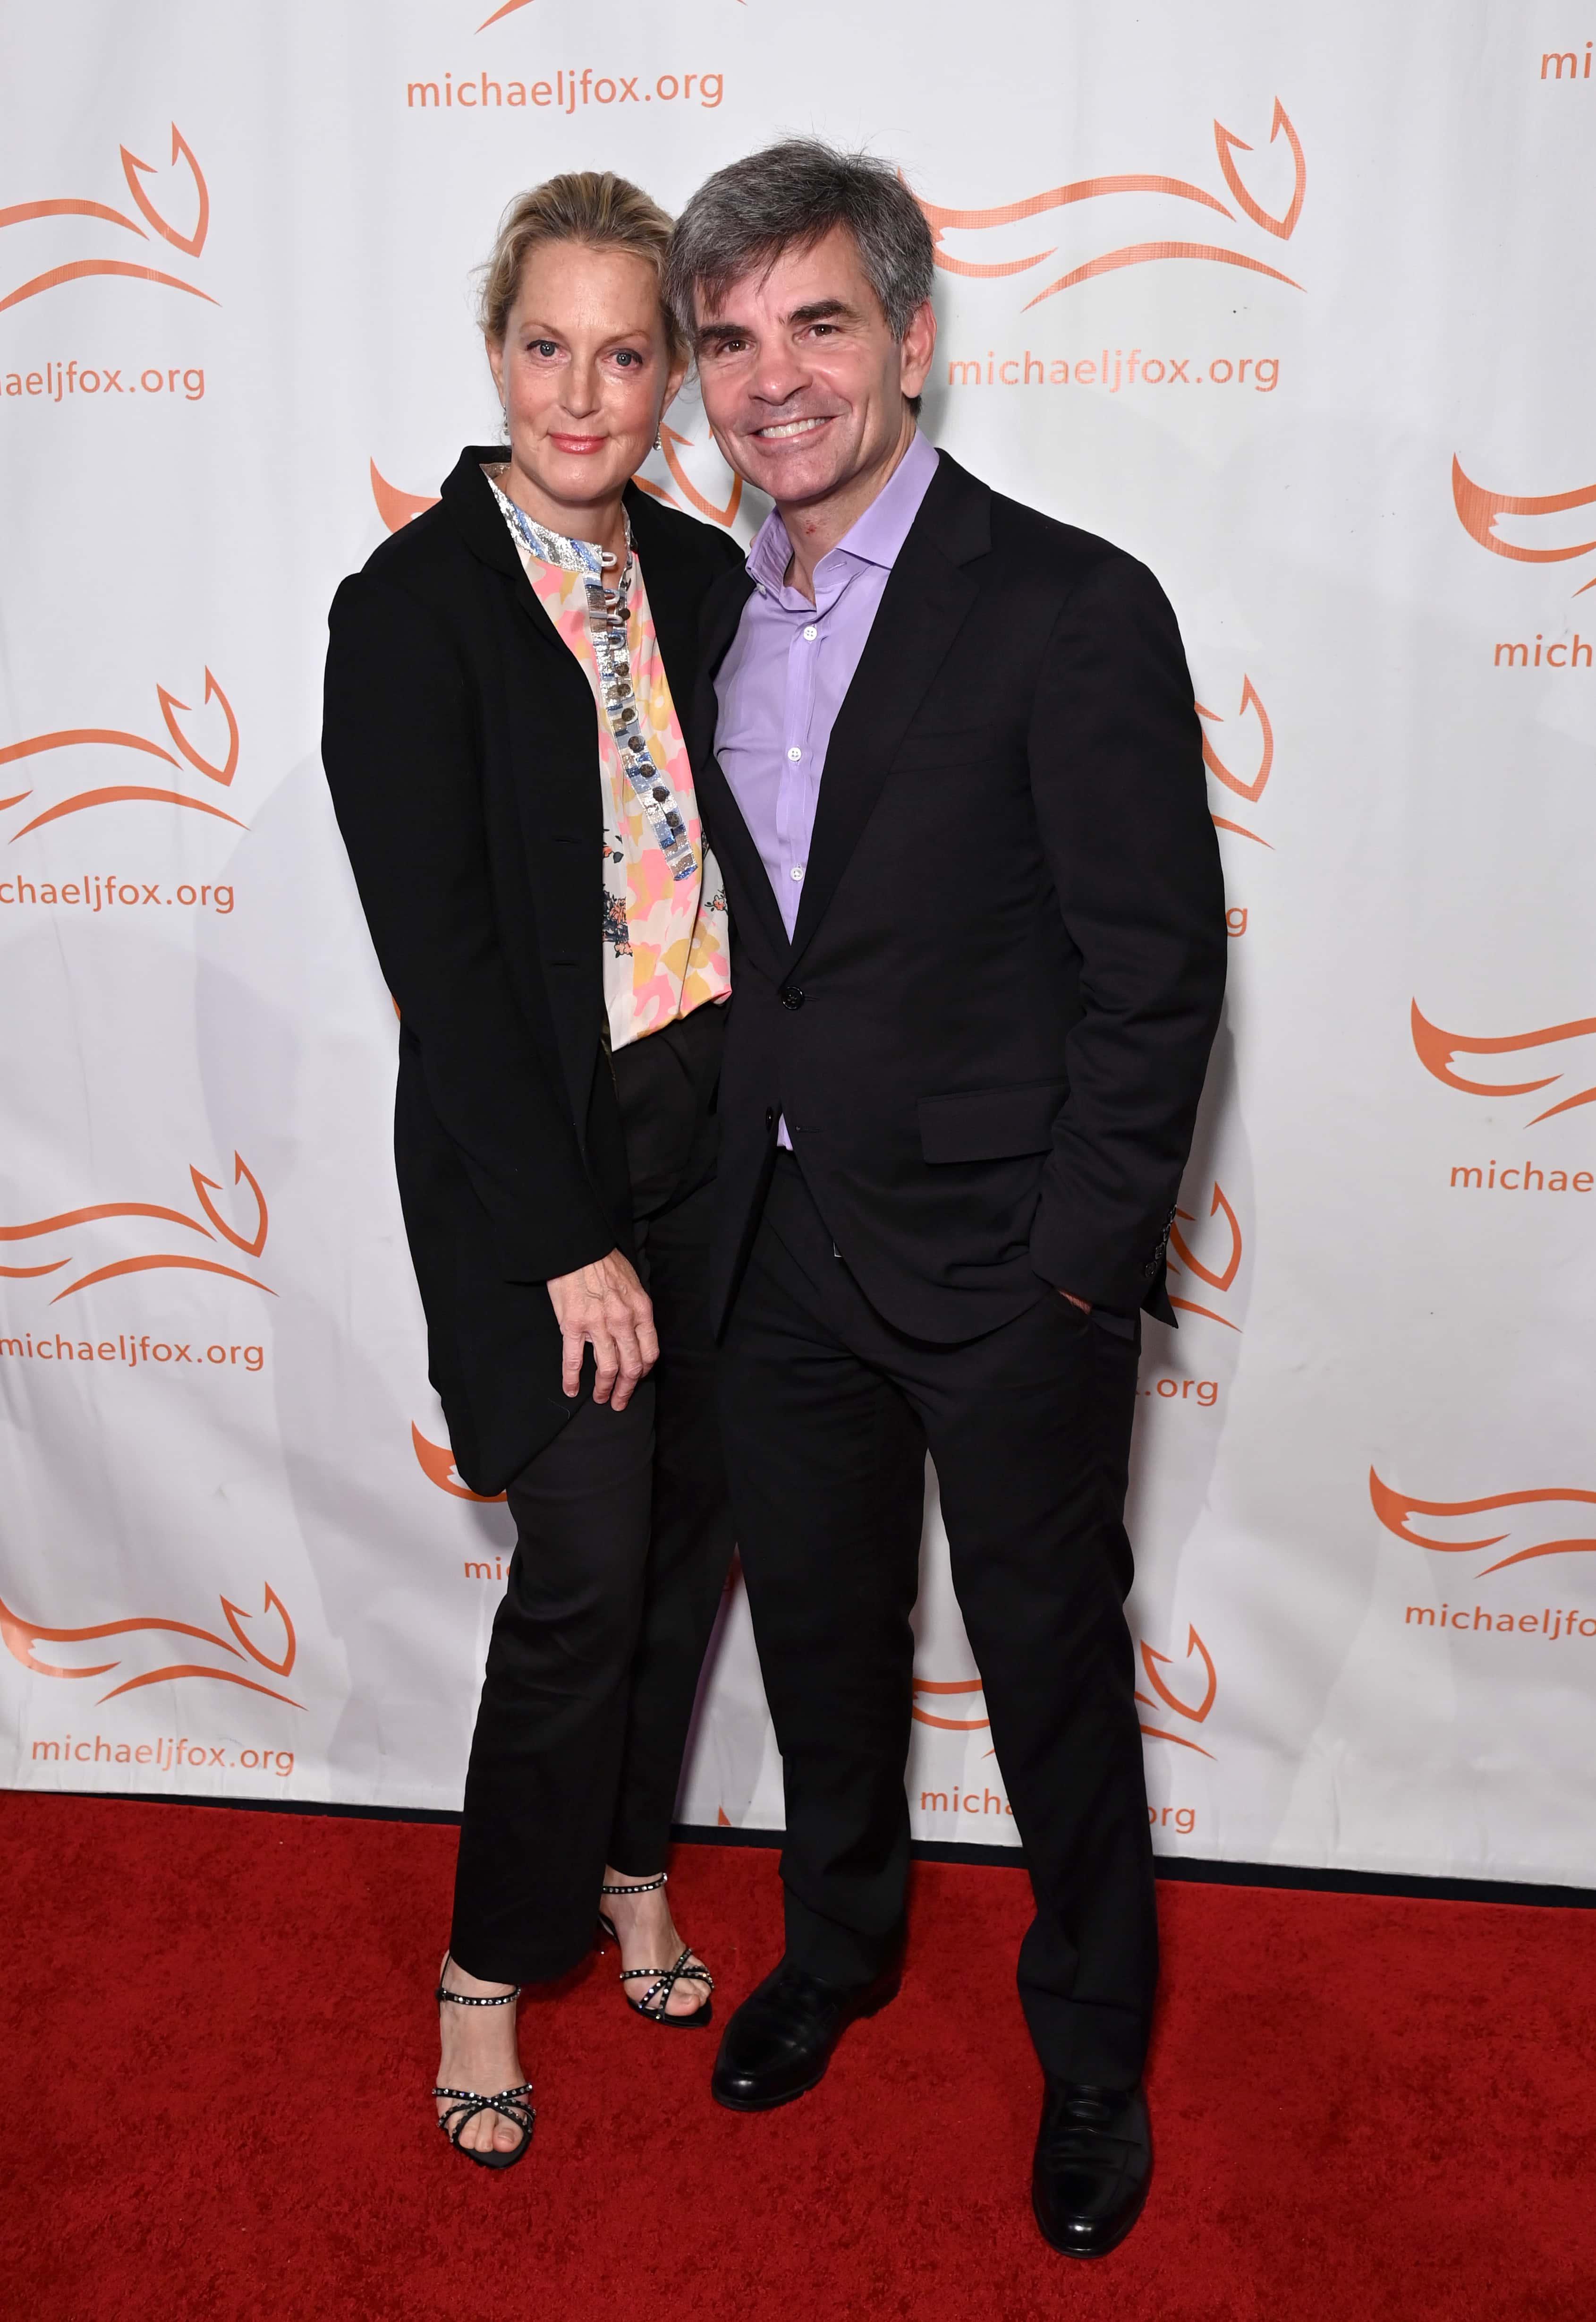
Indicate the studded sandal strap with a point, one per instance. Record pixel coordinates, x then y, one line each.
466 1999
667 1980
470 2104
643 1887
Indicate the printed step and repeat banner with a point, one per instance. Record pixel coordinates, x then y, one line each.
1295 305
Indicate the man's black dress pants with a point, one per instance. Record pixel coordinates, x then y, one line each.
827 1412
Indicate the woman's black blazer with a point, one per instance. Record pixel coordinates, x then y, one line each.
461 744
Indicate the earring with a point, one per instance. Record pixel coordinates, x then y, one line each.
656 439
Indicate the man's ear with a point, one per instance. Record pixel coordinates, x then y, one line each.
915 349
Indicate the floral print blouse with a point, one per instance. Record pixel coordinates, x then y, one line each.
664 926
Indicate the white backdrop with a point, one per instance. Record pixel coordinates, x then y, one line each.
1297 306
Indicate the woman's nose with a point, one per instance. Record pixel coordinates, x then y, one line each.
581 388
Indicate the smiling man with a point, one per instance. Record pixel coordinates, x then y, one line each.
948 752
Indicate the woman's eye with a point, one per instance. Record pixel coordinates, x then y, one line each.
628 359
544 347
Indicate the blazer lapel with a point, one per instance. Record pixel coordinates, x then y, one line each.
673 605
468 502
555 781
759 922
748 882
923 605
718 617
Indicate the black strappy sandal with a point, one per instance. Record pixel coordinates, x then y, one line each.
469 2104
665 1978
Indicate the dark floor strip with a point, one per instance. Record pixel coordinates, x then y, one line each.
998 1858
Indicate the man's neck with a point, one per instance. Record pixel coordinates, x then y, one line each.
814 528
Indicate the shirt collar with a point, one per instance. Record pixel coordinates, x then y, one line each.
874 538
550 547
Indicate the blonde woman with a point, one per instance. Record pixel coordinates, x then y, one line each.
505 753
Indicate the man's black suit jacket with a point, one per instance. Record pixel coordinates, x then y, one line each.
460 744
990 1030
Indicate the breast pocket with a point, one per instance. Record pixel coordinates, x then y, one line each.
998 1124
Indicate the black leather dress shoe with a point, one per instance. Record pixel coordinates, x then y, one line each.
1094 2160
779 2043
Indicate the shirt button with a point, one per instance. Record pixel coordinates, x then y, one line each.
796 871
795 754
811 633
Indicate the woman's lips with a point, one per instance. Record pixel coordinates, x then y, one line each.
578 442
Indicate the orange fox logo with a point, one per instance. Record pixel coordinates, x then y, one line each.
134 172
1437 1049
1168 1699
1478 510
1184 1256
1151 1662
251 1244
436 1461
1142 253
1396 1511
958 1684
20 1637
111 737
1252 791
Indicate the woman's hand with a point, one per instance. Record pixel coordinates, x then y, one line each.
606 1307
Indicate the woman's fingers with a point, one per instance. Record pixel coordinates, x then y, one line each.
635 1319
606 1307
606 1362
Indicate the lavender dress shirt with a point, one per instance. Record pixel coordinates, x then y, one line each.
790 665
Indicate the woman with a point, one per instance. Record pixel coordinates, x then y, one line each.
502 747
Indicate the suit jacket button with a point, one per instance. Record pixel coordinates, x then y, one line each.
770 1116
791 996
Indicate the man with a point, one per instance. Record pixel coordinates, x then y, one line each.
948 752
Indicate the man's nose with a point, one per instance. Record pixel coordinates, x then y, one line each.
780 375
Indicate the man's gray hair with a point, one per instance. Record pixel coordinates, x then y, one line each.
790 196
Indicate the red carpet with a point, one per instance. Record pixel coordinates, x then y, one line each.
219 2042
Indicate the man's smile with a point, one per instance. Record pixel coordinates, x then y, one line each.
782 430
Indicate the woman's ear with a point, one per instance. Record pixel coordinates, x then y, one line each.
495 364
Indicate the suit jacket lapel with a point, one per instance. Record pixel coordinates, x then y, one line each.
759 922
718 617
672 607
926 598
555 786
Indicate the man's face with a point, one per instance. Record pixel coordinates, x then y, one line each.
803 383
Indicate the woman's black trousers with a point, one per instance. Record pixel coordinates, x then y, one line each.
623 1539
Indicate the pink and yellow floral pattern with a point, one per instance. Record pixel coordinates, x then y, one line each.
666 950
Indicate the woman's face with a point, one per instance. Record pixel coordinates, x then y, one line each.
584 374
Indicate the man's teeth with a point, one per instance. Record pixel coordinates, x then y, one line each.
791 427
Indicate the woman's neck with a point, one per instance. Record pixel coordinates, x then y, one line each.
602 522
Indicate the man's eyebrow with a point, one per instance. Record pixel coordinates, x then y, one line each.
822 310
818 310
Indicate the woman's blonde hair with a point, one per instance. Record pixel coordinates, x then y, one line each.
591 206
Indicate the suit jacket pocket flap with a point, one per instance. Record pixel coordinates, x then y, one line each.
990 1124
